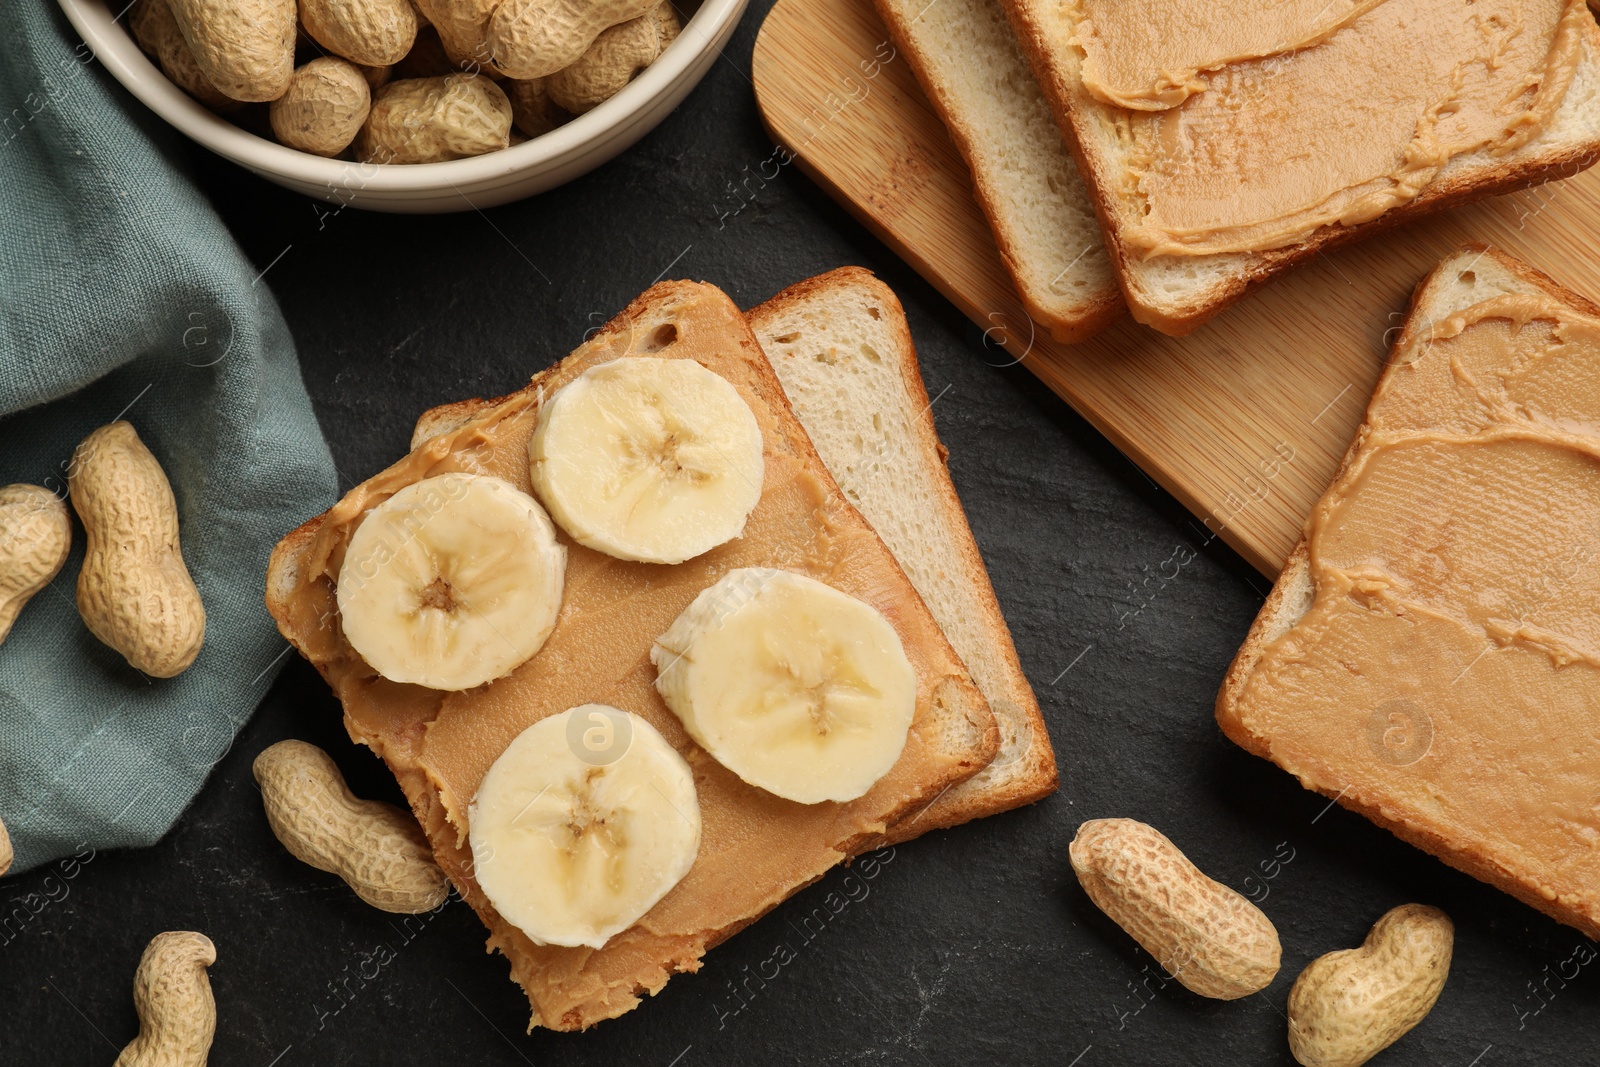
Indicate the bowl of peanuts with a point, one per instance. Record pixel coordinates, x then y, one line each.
416 106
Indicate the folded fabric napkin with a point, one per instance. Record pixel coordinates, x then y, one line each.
123 296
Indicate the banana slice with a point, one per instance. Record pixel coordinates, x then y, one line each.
648 459
794 686
585 821
451 582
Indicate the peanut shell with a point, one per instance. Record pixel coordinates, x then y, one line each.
35 537
172 994
536 38
1207 936
134 592
615 58
376 848
463 29
531 107
374 33
428 120
327 101
157 29
1350 1005
244 47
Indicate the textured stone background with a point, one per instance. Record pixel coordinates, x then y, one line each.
970 946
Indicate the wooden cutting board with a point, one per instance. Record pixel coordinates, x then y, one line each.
1244 420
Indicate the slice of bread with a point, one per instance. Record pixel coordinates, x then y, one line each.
842 348
967 61
1177 293
756 849
1434 796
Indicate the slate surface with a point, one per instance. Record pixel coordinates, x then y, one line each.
968 946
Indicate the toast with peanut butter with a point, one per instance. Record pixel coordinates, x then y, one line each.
755 848
842 349
1430 655
1224 144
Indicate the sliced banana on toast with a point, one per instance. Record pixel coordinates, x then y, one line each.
452 582
648 459
585 821
791 684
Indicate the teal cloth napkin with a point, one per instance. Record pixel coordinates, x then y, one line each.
122 295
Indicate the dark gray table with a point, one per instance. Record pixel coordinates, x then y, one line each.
973 945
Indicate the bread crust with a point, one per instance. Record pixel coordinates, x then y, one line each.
1037 775
1068 322
1077 113
1288 600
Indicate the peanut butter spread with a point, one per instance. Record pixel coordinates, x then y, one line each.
1446 673
1357 115
1149 56
756 849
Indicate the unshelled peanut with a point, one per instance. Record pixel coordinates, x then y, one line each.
1350 1005
615 58
1207 936
531 107
428 120
171 992
463 30
327 101
157 31
536 38
376 848
35 537
372 32
134 592
245 47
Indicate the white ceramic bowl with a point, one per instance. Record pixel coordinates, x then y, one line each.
459 185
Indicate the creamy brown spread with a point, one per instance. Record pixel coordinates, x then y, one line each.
1357 114
756 849
1150 56
1447 672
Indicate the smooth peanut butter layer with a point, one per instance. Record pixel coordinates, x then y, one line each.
756 849
1446 675
1357 114
1150 56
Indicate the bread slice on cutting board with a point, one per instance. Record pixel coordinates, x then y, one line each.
1175 293
842 349
968 63
841 346
756 849
1430 655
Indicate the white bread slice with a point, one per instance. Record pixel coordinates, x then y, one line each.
841 346
1176 294
1471 275
842 350
968 63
